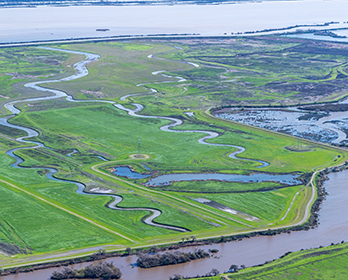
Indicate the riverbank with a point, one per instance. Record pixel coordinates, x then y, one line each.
306 264
240 258
195 242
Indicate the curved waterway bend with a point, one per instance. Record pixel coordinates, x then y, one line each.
333 227
176 122
249 251
79 67
81 187
81 71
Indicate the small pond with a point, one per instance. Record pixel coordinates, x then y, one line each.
166 179
125 171
288 179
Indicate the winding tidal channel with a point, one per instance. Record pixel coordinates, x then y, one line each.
248 252
81 71
333 225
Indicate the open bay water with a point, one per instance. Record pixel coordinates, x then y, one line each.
55 23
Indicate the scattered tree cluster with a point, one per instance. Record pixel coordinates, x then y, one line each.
102 270
168 258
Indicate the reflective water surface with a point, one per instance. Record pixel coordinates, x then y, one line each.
333 227
322 127
166 179
49 23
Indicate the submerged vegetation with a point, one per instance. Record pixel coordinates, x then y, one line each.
179 79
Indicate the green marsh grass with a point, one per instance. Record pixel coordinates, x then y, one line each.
42 227
101 129
321 263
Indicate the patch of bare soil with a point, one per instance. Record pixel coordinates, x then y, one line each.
139 156
97 94
299 149
10 249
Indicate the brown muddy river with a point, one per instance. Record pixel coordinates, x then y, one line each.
333 227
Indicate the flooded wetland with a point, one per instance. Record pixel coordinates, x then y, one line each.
319 126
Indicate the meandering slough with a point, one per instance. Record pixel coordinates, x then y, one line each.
176 122
81 71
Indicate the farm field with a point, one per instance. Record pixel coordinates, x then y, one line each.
84 142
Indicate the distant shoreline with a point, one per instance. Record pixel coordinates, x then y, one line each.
105 21
34 4
111 38
155 36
